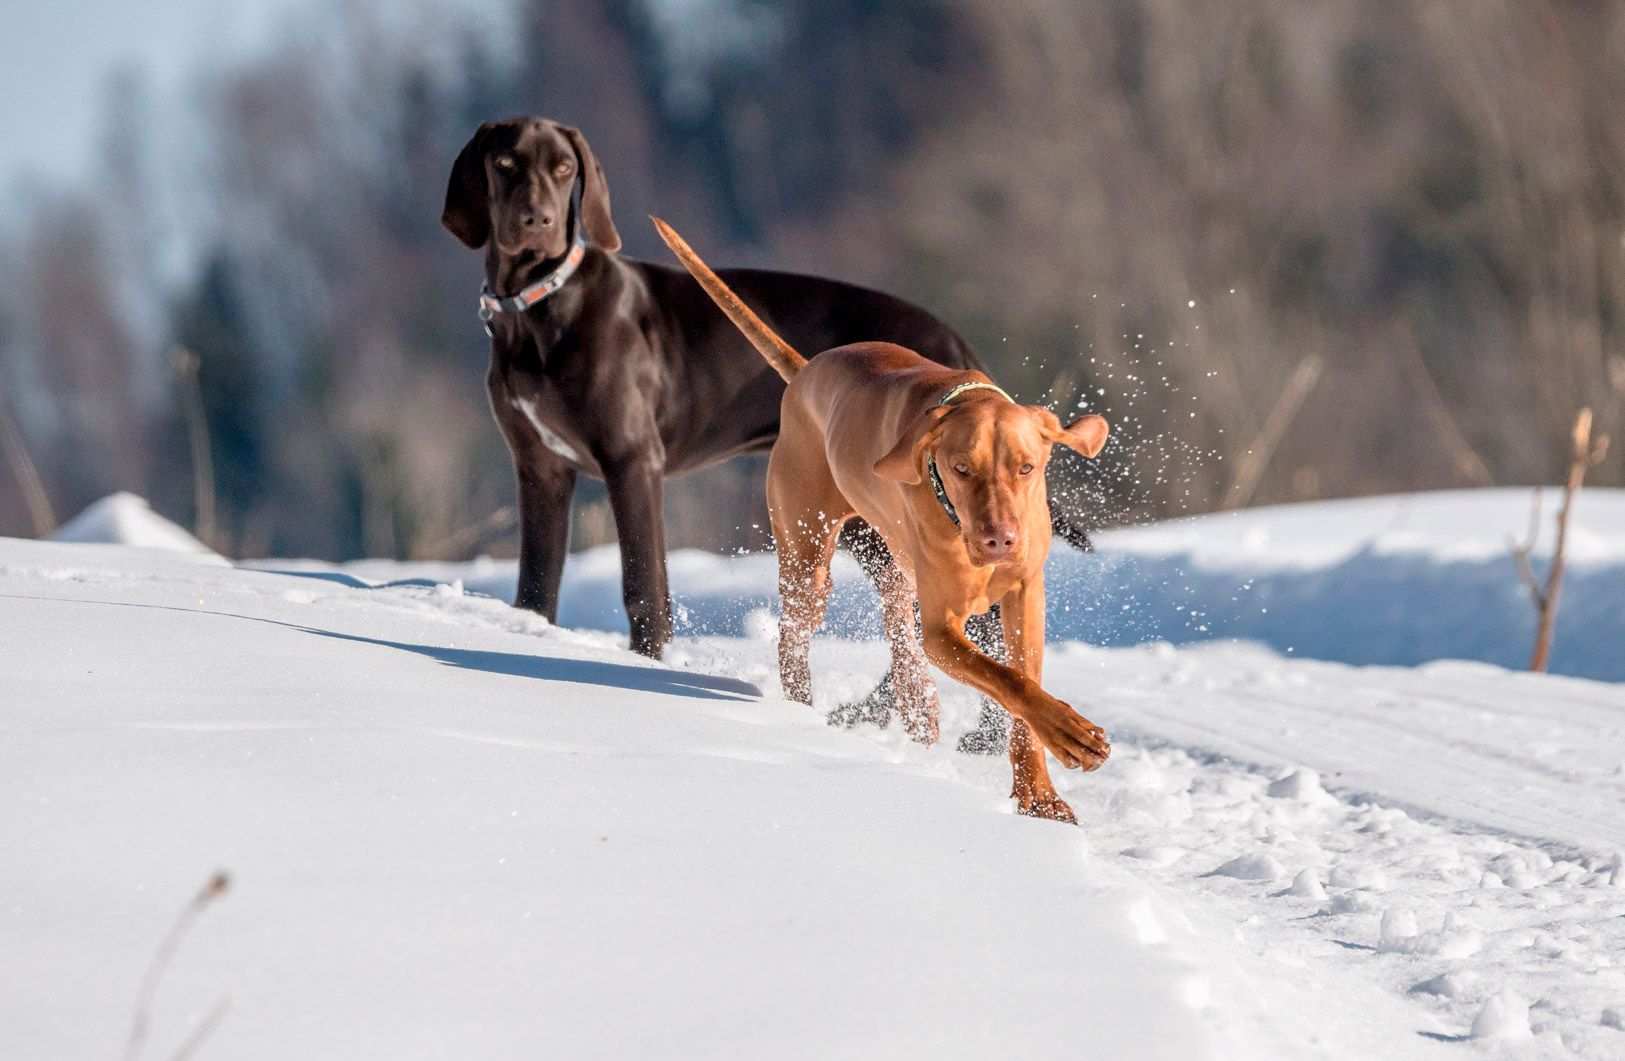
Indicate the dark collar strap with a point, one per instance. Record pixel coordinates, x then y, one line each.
931 459
940 490
491 303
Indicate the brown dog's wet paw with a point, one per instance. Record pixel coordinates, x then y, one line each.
1072 739
920 724
1054 808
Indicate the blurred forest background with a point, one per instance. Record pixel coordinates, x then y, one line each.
1293 249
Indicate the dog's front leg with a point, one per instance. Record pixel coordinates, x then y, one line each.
1070 737
544 534
1022 613
545 484
634 498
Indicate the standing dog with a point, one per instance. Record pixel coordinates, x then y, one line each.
621 369
949 471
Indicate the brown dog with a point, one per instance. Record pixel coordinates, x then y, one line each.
950 471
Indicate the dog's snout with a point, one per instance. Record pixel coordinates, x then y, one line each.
535 219
999 538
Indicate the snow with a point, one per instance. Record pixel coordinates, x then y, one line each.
1504 1016
453 828
125 519
1398 580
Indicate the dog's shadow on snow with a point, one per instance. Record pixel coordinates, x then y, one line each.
647 679
580 671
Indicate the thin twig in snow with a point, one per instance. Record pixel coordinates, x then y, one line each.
214 888
1583 454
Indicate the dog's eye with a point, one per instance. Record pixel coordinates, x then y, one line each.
1026 469
562 169
503 162
962 469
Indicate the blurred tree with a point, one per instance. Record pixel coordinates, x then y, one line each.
210 324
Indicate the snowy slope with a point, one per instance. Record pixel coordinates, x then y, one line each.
455 830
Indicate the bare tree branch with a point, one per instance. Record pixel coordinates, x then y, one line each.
1269 436
1583 454
449 546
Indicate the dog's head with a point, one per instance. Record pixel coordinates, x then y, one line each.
991 455
512 183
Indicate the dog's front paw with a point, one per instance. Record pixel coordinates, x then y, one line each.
920 721
1071 738
1053 808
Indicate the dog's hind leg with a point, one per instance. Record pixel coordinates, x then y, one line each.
914 691
992 732
869 549
806 520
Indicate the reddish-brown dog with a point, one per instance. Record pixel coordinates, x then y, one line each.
950 471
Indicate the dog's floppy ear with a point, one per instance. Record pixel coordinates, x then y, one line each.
1087 434
594 193
903 463
468 202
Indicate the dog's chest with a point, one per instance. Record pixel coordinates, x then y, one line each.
552 440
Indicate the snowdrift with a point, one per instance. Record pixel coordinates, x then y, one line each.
126 519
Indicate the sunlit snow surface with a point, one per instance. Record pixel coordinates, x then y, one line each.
454 830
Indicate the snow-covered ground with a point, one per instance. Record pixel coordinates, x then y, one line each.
454 830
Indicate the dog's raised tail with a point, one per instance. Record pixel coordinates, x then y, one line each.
780 354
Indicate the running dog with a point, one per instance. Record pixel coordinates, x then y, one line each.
950 472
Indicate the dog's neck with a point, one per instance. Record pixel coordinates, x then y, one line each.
507 275
933 476
518 284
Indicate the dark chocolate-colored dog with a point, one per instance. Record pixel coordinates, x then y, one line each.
623 369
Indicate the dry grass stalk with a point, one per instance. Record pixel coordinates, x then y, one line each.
212 889
197 434
454 544
1584 454
22 465
1258 455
